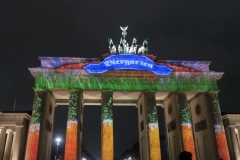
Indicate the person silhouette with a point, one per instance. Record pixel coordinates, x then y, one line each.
185 155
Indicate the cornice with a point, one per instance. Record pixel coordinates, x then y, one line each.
24 115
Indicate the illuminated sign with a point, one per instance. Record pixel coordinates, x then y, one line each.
128 61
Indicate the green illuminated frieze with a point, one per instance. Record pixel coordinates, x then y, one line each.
126 84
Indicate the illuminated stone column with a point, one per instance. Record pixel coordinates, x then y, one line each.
208 127
173 126
235 142
8 146
231 126
179 130
80 124
238 131
153 129
222 145
41 127
203 121
238 142
149 139
238 128
74 131
16 143
186 125
2 141
34 128
107 146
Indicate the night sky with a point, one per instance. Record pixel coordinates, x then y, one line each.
206 30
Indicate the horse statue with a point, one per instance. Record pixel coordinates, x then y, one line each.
133 48
112 48
120 47
123 46
144 48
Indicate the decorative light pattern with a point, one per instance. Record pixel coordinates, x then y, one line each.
219 130
128 61
187 133
107 140
107 130
71 133
153 133
119 83
107 110
79 63
34 129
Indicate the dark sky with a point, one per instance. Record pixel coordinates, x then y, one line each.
177 29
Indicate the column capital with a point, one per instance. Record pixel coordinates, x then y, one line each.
9 131
39 91
19 126
213 92
232 127
2 127
75 90
238 127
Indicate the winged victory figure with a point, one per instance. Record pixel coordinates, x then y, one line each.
124 31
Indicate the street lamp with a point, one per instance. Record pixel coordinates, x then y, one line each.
58 140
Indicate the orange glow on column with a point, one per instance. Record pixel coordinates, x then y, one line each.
222 144
154 141
32 142
71 141
107 140
188 141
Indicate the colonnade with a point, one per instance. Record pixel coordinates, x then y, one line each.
192 123
10 143
232 126
13 135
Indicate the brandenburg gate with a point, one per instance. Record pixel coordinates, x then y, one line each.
129 75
